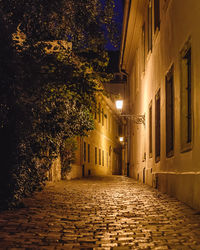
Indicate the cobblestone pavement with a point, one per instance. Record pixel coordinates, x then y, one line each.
100 213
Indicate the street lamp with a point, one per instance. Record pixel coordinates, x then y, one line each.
121 139
139 119
119 104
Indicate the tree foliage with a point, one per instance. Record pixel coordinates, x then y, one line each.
68 155
47 90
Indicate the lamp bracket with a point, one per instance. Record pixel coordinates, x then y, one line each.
138 119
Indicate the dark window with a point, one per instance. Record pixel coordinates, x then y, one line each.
102 117
119 130
156 14
110 150
95 114
106 120
88 152
150 26
186 98
84 151
157 126
99 156
150 129
102 157
169 114
107 159
95 155
99 112
143 46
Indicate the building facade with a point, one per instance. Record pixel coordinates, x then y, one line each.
160 52
100 153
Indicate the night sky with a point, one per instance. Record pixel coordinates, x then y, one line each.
119 19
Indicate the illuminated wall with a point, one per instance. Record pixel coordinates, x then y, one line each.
161 54
100 153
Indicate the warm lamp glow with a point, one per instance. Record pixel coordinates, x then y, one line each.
119 104
121 139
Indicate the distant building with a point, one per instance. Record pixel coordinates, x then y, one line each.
100 153
160 53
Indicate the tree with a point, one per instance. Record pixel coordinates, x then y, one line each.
47 90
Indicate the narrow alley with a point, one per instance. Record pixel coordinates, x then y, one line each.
100 213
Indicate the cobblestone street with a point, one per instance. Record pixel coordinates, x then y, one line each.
100 213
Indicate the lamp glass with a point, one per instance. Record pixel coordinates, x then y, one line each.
121 139
119 104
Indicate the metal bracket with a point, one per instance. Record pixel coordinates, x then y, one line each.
138 119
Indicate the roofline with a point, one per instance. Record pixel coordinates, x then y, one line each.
127 6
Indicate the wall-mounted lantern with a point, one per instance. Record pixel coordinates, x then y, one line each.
139 119
121 139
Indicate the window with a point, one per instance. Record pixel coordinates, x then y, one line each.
150 129
150 26
106 121
99 156
99 112
102 157
156 15
107 159
157 126
102 117
119 130
95 154
84 151
110 150
169 113
186 98
88 152
143 46
95 114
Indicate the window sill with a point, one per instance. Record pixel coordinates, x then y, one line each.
170 154
157 159
186 148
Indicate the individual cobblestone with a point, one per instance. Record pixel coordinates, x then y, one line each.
100 213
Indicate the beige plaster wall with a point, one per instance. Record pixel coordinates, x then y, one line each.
180 174
106 138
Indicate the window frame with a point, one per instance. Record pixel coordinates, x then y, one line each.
99 113
150 129
95 113
99 156
157 127
102 117
143 46
95 155
84 151
186 96
103 158
156 15
150 35
169 84
88 153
